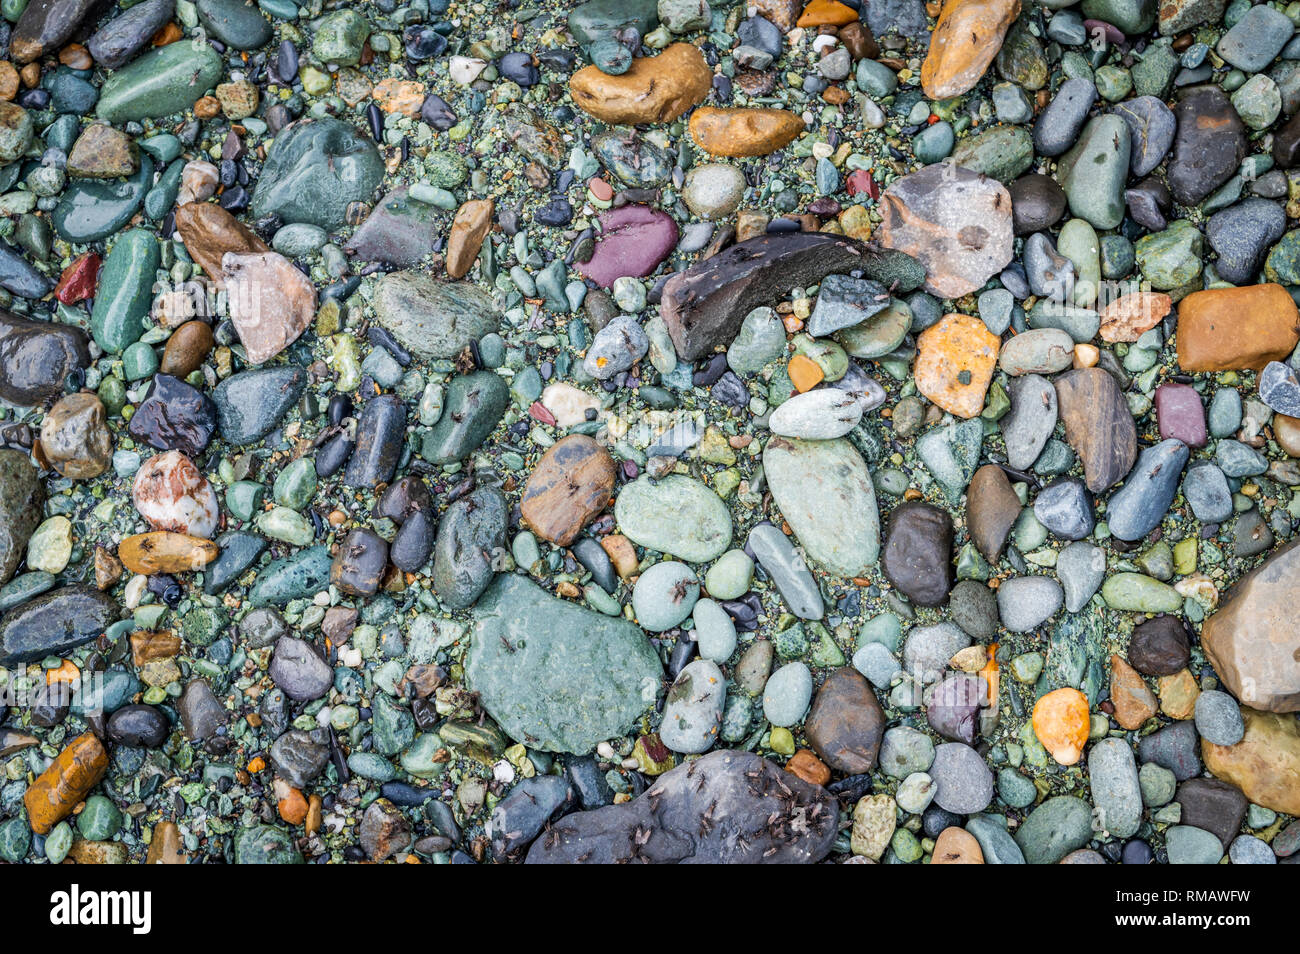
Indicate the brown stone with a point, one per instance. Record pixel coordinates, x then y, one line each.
147 646
75 438
966 38
187 348
271 302
84 852
108 568
161 551
1129 316
384 830
1098 425
809 767
955 222
744 132
102 152
783 13
1265 764
656 89
1235 329
8 81
1158 647
167 847
859 40
1253 640
1178 694
1133 700
44 26
1286 430
954 363
570 485
66 783
991 510
209 232
469 228
846 723
956 846
917 556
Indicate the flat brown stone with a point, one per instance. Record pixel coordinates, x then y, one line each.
1253 640
572 483
271 302
1098 425
75 437
1235 329
187 348
66 783
966 38
845 724
102 152
1287 432
655 89
955 222
209 232
166 848
1133 700
468 230
744 132
1265 764
991 510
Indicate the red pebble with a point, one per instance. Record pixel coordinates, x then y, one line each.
77 283
538 412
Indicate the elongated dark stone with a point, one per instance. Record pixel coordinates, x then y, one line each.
45 26
380 431
55 622
121 38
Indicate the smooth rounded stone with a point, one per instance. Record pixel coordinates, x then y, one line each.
1159 647
995 842
1157 783
36 357
55 622
235 24
963 783
530 649
813 483
1098 426
1054 829
1058 125
252 403
265 845
715 633
171 493
125 290
846 723
381 431
664 595
298 757
730 577
928 648
1192 846
760 341
1113 782
1209 146
954 221
1037 351
1151 127
360 562
992 508
952 706
118 40
1242 235
877 663
1137 508
821 414
784 564
1236 459
917 556
974 607
713 190
299 670
1136 592
787 694
1207 493
677 515
617 346
75 437
138 726
570 486
302 574
433 319
1249 850
314 170
163 81
474 404
1179 414
1064 507
1037 203
905 751
1218 719
1256 39
1027 602
651 89
1280 389
995 308
1174 747
469 535
1094 172
633 241
1080 567
1028 425
693 708
1015 789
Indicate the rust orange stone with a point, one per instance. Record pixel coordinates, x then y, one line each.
1133 699
826 13
1236 329
954 363
1061 724
966 38
744 132
209 232
656 89
468 230
1129 316
571 484
66 783
805 373
162 551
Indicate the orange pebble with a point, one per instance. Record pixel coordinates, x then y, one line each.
826 13
257 765
170 33
808 767
793 323
805 373
292 803
67 672
1061 724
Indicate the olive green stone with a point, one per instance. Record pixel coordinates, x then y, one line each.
163 81
1002 153
340 37
1138 593
296 484
139 361
100 819
125 291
